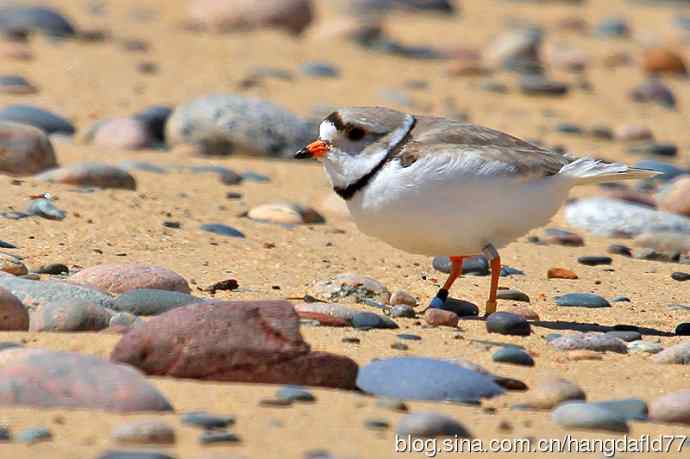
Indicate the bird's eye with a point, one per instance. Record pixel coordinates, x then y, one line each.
355 134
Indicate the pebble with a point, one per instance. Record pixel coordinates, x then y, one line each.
550 392
540 86
625 335
251 176
295 394
633 133
683 329
594 260
645 346
612 28
392 404
403 310
514 355
76 381
12 264
671 408
33 435
618 249
124 319
48 122
24 20
122 133
568 128
676 197
630 409
229 123
46 209
430 425
517 48
478 265
211 437
351 288
69 316
329 309
654 91
285 214
144 432
120 278
91 174
410 6
26 150
418 378
587 300
562 237
293 16
320 69
154 119
664 241
14 314
32 293
598 342
602 132
512 294
654 149
560 273
376 424
663 61
506 323
676 354
439 317
460 307
402 297
581 354
133 455
580 415
398 346
207 421
522 311
222 230
151 302
227 176
54 269
6 245
369 320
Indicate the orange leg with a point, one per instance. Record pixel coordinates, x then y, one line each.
495 274
455 272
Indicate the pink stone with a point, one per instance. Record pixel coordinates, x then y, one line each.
119 278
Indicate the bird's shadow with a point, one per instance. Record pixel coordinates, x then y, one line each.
589 327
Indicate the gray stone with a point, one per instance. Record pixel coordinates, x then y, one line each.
144 432
514 355
46 209
207 421
671 408
222 230
630 409
69 316
48 122
369 320
507 323
430 425
151 302
512 294
403 310
580 415
598 342
625 335
34 293
645 346
20 19
677 354
34 435
295 394
586 300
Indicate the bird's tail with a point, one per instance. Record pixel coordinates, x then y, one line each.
587 171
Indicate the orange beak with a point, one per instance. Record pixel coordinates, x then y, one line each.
317 149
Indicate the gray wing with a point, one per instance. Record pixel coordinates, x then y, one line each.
502 153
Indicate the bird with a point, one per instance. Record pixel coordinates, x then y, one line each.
439 187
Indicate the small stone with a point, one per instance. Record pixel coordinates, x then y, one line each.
402 297
222 230
460 307
676 354
599 342
513 355
671 408
512 294
13 314
506 323
376 424
334 310
478 265
560 273
563 237
133 455
551 392
398 346
522 311
295 394
120 278
33 293
6 245
625 335
655 91
645 346
293 16
602 132
568 128
654 149
144 432
369 320
69 316
11 264
34 435
439 317
48 122
46 209
91 175
285 213
540 86
24 150
320 70
54 269
663 61
123 133
151 302
594 260
580 415
633 133
154 119
683 329
630 409
24 20
207 421
612 28
403 310
409 337
618 249
430 425
211 437
587 300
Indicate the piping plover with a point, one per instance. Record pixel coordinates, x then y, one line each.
435 186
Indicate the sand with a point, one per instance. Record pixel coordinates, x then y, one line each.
86 82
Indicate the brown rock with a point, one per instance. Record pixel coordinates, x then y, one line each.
24 150
440 317
13 314
671 408
237 15
633 133
47 379
661 60
676 198
116 278
253 341
560 273
551 392
402 297
12 265
522 311
91 174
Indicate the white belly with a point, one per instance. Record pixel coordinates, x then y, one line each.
443 212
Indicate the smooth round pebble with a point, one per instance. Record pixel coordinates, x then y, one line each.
207 421
439 317
680 276
295 393
460 307
550 392
33 435
210 437
671 408
222 230
403 310
594 260
625 335
587 300
512 294
507 323
579 415
430 425
599 342
514 355
369 320
144 432
683 329
645 346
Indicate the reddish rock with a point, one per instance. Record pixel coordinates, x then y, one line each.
560 273
24 150
12 265
402 297
522 311
323 319
633 133
661 60
15 51
440 317
47 379
125 133
13 314
252 341
91 174
676 198
237 15
116 278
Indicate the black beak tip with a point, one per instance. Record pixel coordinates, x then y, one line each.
304 153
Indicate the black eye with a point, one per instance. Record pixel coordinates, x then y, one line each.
355 134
